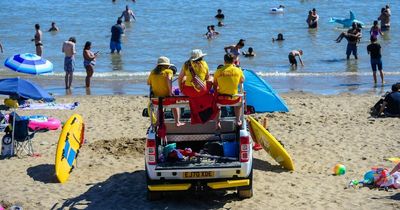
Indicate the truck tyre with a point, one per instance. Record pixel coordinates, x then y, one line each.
153 195
246 192
243 194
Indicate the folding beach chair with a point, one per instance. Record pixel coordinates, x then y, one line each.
23 138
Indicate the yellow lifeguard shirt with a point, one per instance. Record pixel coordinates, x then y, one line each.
228 79
200 69
158 83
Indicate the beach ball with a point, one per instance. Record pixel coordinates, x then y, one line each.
339 169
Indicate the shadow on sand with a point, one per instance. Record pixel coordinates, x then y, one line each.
42 173
395 197
128 191
263 165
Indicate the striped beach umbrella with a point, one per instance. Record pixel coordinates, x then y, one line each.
29 63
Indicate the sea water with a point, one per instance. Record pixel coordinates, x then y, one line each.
173 28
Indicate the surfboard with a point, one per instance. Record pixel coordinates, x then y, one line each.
69 143
270 144
260 95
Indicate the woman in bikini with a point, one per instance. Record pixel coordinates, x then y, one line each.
38 40
89 61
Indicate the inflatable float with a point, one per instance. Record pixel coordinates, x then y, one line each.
39 122
277 9
346 22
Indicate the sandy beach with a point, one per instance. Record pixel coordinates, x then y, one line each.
318 132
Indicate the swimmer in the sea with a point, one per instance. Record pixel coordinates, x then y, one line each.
127 14
250 53
279 38
53 27
213 30
219 14
209 34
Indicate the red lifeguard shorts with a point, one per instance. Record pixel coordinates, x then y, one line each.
227 101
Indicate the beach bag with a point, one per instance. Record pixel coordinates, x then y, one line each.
7 146
198 84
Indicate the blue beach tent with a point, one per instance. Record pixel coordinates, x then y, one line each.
260 95
27 89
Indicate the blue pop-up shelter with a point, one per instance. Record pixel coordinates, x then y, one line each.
260 95
23 88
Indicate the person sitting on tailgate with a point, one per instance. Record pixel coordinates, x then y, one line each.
197 66
160 81
226 82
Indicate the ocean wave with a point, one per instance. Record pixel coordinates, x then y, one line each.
318 74
143 75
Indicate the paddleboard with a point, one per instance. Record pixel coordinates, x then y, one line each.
270 144
69 143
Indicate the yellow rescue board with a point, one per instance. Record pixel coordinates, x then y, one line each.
393 159
270 144
69 143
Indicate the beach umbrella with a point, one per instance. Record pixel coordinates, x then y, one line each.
29 63
23 88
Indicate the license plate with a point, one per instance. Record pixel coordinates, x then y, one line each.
198 174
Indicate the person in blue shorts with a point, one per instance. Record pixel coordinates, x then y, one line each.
116 32
374 50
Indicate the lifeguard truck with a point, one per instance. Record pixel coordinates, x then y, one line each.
194 156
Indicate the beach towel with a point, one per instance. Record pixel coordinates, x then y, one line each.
52 105
202 109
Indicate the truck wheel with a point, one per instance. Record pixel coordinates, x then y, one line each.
246 192
243 194
153 196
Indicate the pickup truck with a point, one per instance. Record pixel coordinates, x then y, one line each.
195 157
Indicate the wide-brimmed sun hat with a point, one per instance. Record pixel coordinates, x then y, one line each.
164 61
196 54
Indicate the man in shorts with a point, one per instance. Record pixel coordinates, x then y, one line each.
374 50
116 32
353 37
69 61
226 82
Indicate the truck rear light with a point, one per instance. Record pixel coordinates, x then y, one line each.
151 151
244 148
